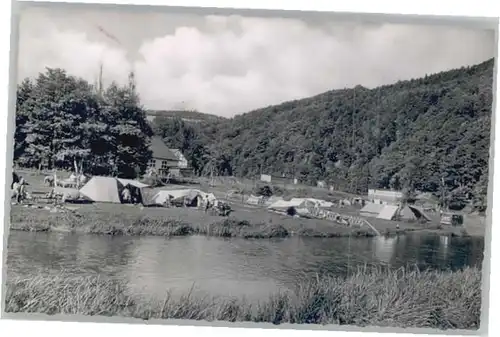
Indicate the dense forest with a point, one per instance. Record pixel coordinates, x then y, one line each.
430 134
61 119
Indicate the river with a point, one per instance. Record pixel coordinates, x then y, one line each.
227 267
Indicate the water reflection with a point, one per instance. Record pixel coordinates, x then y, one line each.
249 268
384 248
444 242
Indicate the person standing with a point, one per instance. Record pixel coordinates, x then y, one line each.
207 204
126 195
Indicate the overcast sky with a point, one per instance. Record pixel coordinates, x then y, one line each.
227 65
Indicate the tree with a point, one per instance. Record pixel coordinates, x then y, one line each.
24 93
61 120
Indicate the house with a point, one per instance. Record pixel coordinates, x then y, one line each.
265 177
385 197
166 160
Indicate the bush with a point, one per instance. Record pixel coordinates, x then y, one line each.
264 191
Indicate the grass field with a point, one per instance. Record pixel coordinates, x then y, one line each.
443 300
245 221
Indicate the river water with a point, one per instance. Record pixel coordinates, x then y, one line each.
227 267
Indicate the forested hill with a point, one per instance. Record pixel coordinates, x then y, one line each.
411 134
186 115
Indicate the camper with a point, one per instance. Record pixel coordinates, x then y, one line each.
452 219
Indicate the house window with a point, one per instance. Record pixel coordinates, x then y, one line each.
164 165
152 163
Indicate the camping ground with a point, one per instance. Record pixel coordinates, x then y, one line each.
101 218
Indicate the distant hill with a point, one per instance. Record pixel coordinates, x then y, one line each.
412 134
186 115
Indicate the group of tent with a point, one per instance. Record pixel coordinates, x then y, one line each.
308 206
109 190
393 212
300 206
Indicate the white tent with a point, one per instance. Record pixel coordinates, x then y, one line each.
271 200
371 210
303 206
162 196
283 205
388 212
254 200
102 189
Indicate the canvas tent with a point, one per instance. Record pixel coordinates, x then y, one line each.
102 189
302 206
391 212
388 212
254 200
141 190
371 210
419 213
133 183
193 195
283 205
108 189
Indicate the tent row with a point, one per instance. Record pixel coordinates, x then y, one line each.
194 197
109 190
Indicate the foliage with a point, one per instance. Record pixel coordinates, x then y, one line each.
264 191
419 135
61 119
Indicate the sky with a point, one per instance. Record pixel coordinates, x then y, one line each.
227 65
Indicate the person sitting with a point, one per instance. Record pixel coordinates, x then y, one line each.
15 179
19 190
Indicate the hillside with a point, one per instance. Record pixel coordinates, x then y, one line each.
186 115
412 134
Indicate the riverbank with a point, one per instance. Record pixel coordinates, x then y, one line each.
132 220
110 219
246 220
430 299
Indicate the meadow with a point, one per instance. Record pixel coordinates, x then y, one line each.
246 220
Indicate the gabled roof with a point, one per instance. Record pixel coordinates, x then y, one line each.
160 150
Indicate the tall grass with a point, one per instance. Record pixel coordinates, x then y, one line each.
375 297
116 223
143 225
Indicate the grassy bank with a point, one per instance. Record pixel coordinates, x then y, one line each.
444 300
130 220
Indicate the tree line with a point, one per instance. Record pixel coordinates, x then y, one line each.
430 134
62 119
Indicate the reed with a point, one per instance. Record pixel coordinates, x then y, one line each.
368 297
